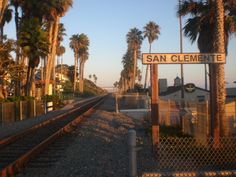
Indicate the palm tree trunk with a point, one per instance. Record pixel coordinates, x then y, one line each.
18 52
147 68
3 5
82 72
135 67
81 77
75 72
1 33
219 81
54 46
49 61
30 79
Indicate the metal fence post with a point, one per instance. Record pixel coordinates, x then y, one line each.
117 107
1 116
132 153
21 111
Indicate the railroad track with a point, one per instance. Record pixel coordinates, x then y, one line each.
17 150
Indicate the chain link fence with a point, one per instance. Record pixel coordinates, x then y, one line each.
188 154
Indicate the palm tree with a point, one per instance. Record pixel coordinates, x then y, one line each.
6 61
3 7
60 51
83 56
134 40
127 73
33 39
151 31
54 9
201 27
95 78
219 81
74 45
7 16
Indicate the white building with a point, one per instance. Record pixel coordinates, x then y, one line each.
191 93
162 83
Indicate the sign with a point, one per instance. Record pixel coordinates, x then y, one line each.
183 58
190 88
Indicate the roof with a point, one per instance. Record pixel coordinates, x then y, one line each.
173 89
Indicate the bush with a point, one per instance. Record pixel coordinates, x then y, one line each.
57 102
15 99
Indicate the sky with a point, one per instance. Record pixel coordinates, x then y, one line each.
106 23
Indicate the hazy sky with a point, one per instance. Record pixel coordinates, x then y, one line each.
106 23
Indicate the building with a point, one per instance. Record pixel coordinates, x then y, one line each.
162 84
177 81
191 93
230 94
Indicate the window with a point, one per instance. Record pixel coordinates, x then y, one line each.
201 98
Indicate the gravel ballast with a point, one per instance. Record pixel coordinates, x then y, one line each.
99 147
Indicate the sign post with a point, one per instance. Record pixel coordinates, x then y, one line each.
154 59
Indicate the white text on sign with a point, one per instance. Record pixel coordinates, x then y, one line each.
183 58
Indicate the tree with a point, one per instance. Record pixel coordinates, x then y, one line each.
127 72
201 27
7 65
95 78
134 40
7 16
54 10
151 31
83 57
219 90
33 39
3 7
60 51
74 45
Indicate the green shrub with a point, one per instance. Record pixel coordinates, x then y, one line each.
14 99
57 102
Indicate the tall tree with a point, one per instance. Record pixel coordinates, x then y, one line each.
33 40
74 45
60 51
6 65
151 31
55 10
3 7
134 40
201 27
127 72
83 57
219 72
7 16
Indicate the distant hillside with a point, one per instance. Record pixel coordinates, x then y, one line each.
92 89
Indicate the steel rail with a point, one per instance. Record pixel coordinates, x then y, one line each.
20 162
